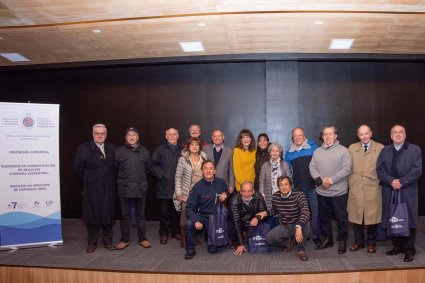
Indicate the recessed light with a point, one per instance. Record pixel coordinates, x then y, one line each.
14 57
97 31
201 25
341 43
192 46
318 22
1 38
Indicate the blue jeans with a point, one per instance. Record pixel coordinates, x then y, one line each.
311 196
191 234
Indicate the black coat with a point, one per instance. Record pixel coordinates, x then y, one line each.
409 166
164 164
240 212
132 167
98 176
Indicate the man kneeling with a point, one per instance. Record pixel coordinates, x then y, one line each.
294 214
244 206
202 203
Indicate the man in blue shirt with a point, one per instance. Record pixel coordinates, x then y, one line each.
203 201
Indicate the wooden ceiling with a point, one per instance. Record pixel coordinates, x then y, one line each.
61 31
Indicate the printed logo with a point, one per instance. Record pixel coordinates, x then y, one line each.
36 204
395 219
49 203
258 238
219 231
28 121
15 205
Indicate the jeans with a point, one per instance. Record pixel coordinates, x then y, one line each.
191 234
311 196
333 206
282 233
139 208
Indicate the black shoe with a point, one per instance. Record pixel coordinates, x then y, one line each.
394 251
342 247
327 242
316 242
91 248
189 255
408 257
109 247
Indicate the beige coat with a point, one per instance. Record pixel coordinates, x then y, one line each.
364 195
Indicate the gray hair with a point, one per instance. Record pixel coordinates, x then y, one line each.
95 126
275 144
166 131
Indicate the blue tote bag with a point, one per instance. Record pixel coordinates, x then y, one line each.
257 238
398 221
217 227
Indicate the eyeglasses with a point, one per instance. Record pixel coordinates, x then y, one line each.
397 132
99 134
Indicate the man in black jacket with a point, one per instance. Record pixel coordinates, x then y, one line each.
244 206
132 162
164 164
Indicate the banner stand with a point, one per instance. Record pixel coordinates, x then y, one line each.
30 212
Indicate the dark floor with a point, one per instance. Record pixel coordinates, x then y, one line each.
169 258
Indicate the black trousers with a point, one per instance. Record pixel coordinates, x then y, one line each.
333 206
93 233
139 207
359 236
405 244
169 218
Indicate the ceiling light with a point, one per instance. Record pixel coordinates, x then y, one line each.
97 31
341 43
192 46
201 25
1 38
14 57
318 22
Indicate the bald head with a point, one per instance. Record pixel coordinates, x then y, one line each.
364 133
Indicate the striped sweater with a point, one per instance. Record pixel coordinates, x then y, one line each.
291 210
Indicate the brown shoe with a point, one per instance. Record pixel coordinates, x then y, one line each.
122 245
355 247
91 248
163 240
371 249
302 255
145 244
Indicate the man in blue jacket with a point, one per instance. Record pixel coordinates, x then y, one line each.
399 167
203 201
299 156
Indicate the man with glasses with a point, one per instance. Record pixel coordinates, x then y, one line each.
244 206
94 164
399 167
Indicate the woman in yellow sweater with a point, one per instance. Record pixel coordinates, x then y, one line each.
244 158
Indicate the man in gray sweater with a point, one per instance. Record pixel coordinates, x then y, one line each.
330 167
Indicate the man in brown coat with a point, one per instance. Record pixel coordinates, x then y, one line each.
364 197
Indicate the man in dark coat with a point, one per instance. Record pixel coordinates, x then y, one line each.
399 167
94 164
164 164
133 163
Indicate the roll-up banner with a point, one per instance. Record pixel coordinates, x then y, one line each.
30 213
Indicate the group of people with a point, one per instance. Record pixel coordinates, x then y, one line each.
297 193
